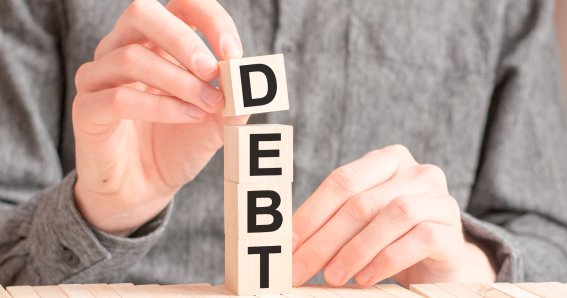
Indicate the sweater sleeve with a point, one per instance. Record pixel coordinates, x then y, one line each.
519 201
43 238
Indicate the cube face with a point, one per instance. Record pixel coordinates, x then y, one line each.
253 85
269 216
258 266
260 153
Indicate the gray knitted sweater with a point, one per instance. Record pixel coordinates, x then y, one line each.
471 86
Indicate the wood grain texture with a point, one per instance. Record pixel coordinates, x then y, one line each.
22 292
242 270
431 290
397 291
236 209
48 292
237 153
486 290
458 290
512 290
231 85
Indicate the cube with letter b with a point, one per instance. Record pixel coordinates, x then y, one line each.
258 172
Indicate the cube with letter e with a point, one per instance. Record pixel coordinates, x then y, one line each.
258 173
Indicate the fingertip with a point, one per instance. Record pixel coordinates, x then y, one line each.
295 241
205 65
230 46
365 277
298 273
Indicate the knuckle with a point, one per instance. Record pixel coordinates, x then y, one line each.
81 77
118 99
357 249
388 258
181 40
317 252
361 209
427 235
129 55
432 171
399 150
434 174
404 208
343 180
137 9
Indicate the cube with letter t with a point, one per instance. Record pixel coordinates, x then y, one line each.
258 172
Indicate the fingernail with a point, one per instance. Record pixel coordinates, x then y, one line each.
230 47
335 273
211 96
365 275
294 241
204 63
193 111
298 273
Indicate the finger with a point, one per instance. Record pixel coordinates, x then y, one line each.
95 111
148 20
358 176
136 63
419 243
214 21
352 217
396 219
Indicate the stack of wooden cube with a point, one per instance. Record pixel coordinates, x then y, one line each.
258 172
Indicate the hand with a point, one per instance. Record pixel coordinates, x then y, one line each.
380 216
145 118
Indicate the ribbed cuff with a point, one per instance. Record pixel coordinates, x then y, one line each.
64 247
508 261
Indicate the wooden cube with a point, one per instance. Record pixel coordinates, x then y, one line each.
258 266
253 211
253 85
261 153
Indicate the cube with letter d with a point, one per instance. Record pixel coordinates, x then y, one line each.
253 85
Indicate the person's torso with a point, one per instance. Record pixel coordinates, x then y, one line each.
361 75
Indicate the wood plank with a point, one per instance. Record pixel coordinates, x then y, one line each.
458 290
397 291
228 293
22 292
513 291
243 270
430 290
210 291
236 199
102 290
360 292
558 287
232 85
3 293
183 290
75 290
49 292
128 290
539 289
486 290
157 291
317 291
297 293
243 149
